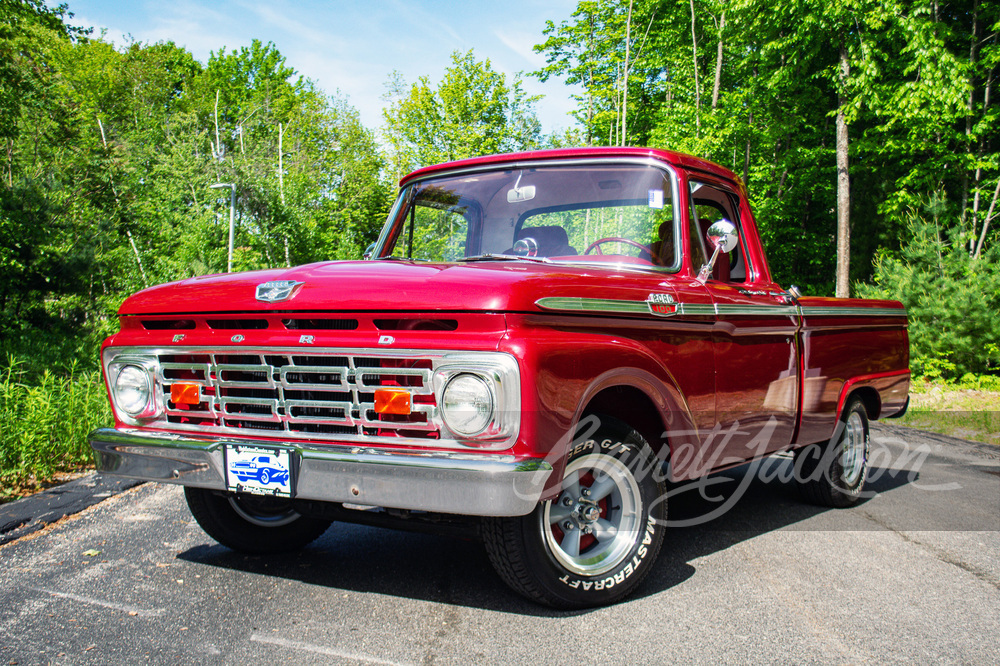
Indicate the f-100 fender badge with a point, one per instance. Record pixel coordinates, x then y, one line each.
277 290
662 305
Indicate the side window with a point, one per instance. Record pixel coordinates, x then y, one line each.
434 234
710 204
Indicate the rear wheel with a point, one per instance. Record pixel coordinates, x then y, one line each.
598 539
252 524
834 473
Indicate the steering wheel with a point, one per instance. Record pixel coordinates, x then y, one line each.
613 239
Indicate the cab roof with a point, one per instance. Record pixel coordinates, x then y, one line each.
680 160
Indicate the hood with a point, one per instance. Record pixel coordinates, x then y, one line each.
383 286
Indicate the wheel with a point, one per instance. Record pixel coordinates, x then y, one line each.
252 524
598 539
833 473
265 476
596 244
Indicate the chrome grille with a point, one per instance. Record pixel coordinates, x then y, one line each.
310 393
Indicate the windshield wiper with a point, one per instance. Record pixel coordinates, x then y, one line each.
505 257
392 258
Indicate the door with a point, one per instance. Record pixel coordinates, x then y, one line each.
754 339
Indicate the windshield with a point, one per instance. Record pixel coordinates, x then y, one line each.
621 213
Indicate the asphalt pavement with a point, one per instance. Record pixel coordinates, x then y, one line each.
910 575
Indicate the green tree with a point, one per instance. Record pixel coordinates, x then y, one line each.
472 111
952 297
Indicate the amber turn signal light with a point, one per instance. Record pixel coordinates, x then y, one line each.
185 394
392 402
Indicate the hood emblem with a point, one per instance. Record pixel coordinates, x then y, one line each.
277 290
662 305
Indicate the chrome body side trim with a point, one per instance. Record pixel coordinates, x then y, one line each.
822 311
601 305
757 310
460 483
593 305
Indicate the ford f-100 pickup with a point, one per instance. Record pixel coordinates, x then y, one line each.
534 349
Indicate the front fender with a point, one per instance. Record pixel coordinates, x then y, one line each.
568 361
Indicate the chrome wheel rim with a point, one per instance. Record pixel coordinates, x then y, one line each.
853 454
594 523
263 512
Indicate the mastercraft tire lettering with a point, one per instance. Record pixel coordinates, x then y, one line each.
596 541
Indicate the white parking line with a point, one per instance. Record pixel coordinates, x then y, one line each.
141 612
320 649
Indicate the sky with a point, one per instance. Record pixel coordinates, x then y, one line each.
352 46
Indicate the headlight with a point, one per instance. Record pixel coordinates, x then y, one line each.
132 390
467 404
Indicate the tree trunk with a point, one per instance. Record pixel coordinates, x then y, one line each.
843 184
718 65
218 145
114 191
746 155
281 185
628 49
697 87
969 106
986 222
590 83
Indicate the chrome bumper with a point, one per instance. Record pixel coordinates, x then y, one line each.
461 483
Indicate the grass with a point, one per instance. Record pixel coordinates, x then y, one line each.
968 408
45 420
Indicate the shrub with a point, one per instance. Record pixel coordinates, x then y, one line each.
952 299
46 420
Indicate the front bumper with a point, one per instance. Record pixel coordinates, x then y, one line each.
460 483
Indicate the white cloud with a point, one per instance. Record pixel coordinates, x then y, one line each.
353 46
522 43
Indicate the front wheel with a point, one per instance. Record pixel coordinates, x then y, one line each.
252 524
596 541
834 473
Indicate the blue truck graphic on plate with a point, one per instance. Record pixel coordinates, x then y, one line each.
264 469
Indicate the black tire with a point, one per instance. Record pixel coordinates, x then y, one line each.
550 557
834 473
252 524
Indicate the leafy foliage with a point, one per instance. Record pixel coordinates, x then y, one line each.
472 111
54 413
755 85
952 298
110 155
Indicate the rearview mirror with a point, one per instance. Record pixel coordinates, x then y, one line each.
518 194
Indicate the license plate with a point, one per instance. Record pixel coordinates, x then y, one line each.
258 470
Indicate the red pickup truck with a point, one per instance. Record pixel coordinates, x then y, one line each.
536 345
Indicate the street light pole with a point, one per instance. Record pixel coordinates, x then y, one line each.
232 219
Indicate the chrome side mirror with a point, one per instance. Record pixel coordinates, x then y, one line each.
723 237
368 252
